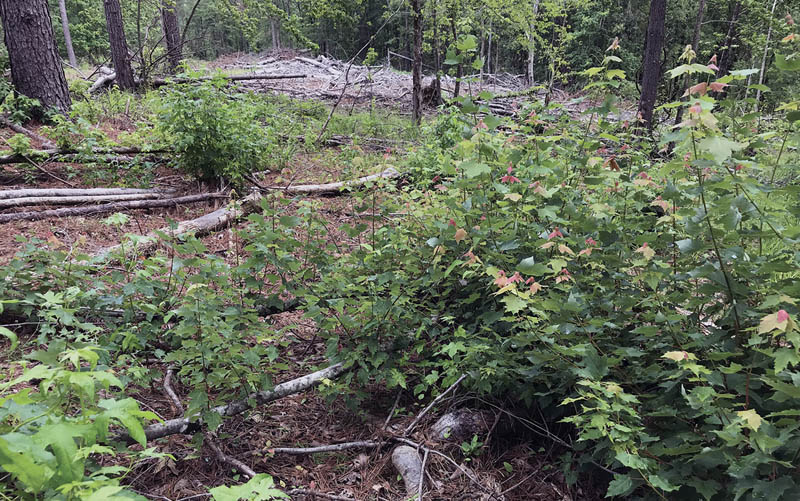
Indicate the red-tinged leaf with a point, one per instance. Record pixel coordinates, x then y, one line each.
460 235
700 88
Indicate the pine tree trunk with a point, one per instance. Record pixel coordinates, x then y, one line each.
36 69
172 34
652 61
416 73
119 47
275 29
62 8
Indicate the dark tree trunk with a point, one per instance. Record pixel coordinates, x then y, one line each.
172 34
119 47
36 69
437 97
62 9
728 55
459 70
416 71
651 71
695 44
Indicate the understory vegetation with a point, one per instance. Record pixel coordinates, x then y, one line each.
634 297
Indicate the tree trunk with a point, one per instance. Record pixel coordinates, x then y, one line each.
36 69
437 98
652 61
119 47
62 8
459 70
275 29
416 72
172 34
728 55
695 44
766 53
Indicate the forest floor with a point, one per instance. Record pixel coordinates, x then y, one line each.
513 465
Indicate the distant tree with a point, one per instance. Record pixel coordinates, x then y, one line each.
651 71
416 72
36 69
119 47
62 9
172 34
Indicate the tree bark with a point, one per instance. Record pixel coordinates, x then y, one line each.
62 8
36 69
701 7
76 200
727 57
119 46
74 192
652 61
275 29
172 33
416 70
766 53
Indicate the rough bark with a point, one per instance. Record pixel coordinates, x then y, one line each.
36 69
275 29
652 61
172 33
119 46
62 9
74 192
105 208
416 71
199 226
194 423
728 55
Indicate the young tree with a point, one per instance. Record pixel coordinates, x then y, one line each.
416 73
172 34
36 69
119 47
652 61
62 8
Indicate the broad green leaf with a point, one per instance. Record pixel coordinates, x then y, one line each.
720 147
751 418
475 169
621 485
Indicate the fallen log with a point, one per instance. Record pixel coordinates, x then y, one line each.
29 201
199 226
335 188
74 192
106 208
159 82
16 158
194 423
102 81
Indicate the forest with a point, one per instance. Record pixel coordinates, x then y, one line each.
401 250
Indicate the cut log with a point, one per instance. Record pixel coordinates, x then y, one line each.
29 201
159 82
75 192
46 143
106 208
194 423
16 158
335 188
199 226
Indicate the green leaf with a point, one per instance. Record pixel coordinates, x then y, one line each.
514 304
787 63
475 169
10 335
622 485
720 148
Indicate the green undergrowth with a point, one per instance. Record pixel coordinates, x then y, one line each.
637 295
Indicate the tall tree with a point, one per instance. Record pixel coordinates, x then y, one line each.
119 47
62 9
651 73
698 25
416 71
36 69
728 54
172 34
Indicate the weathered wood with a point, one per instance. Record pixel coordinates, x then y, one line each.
106 208
16 158
103 80
159 82
409 465
74 192
334 188
61 200
194 423
46 143
199 226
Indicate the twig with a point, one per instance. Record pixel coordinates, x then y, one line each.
42 169
313 493
246 470
422 476
171 393
430 406
299 451
520 482
391 412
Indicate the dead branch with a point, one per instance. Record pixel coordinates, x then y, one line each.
47 154
194 423
159 82
430 406
246 470
28 201
301 451
406 460
46 143
106 208
74 192
335 188
313 494
202 225
171 393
